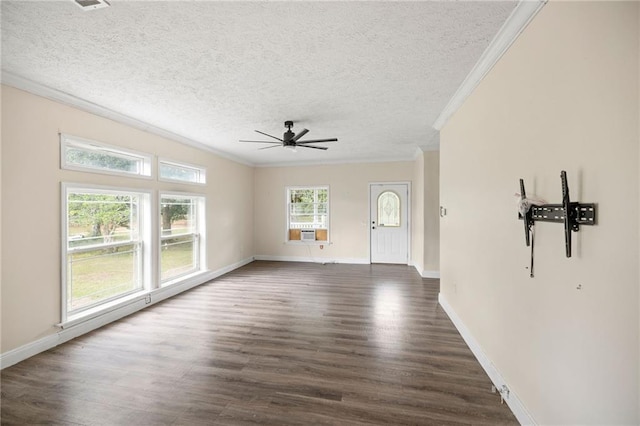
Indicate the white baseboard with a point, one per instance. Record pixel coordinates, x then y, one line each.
430 274
512 400
16 355
67 333
350 260
424 273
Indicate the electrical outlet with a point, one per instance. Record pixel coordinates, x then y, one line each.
147 299
503 391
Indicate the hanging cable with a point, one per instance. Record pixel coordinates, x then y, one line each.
532 229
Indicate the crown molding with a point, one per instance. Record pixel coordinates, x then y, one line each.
337 162
520 17
19 82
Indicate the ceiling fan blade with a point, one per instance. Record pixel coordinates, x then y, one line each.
300 134
277 143
318 140
262 133
267 147
324 148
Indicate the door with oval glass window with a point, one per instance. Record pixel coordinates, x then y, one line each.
389 225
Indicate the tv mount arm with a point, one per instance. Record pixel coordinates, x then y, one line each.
528 222
571 214
570 222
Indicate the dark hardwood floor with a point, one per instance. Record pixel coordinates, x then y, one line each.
270 343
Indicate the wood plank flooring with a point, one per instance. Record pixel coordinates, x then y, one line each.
270 343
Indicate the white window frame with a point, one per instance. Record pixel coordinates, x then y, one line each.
288 214
199 236
144 245
201 171
144 160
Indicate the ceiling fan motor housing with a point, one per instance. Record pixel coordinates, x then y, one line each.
288 135
288 138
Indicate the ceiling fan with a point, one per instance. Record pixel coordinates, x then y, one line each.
291 140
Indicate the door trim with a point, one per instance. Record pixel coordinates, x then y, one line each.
409 218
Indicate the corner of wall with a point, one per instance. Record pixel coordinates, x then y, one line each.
417 214
1 138
431 259
638 114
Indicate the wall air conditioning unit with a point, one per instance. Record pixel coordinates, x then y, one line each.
307 235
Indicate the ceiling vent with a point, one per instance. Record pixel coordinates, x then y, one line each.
92 4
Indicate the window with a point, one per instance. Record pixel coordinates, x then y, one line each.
104 252
182 172
182 224
82 154
308 213
389 209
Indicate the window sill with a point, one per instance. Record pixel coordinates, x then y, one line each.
130 299
185 182
103 309
180 279
308 243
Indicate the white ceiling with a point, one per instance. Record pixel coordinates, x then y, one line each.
376 75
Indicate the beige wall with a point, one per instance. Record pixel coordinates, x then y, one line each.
564 97
417 213
349 207
431 211
1 90
31 206
425 233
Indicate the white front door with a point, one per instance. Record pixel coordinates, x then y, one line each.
389 223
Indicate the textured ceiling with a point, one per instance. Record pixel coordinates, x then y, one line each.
376 75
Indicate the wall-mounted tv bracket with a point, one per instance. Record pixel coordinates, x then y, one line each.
572 215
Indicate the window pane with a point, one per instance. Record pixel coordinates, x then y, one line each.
179 256
98 157
178 216
181 173
302 208
101 160
302 196
388 209
101 219
103 258
180 238
308 208
99 275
